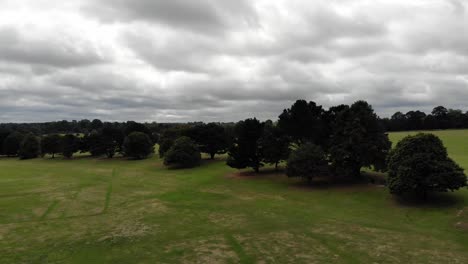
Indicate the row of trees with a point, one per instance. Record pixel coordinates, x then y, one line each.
133 140
439 118
346 138
341 141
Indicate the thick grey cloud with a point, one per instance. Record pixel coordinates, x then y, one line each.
212 60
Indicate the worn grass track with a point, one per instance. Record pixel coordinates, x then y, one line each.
118 211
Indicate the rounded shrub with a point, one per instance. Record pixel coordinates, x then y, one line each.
138 145
420 164
184 153
307 161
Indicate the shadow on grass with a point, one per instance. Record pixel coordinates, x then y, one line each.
433 200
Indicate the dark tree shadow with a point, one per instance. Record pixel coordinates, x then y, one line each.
433 200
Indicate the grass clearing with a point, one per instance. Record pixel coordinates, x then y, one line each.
118 211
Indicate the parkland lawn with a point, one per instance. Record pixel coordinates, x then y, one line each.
90 210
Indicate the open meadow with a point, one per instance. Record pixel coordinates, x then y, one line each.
91 210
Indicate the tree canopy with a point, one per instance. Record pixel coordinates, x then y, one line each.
420 164
245 151
184 153
138 145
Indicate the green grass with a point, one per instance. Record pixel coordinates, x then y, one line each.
118 211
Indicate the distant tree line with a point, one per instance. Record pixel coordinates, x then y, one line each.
439 118
130 139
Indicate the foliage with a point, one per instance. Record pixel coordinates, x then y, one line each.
70 145
420 164
307 161
168 138
51 144
12 143
357 140
184 153
138 145
30 147
211 138
304 122
274 144
245 152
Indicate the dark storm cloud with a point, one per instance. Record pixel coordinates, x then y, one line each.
213 60
205 16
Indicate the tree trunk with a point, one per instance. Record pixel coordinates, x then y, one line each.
53 155
276 166
256 169
212 155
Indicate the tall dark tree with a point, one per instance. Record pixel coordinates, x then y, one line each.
358 140
12 143
30 147
420 164
274 144
211 138
94 143
138 145
304 122
70 145
246 153
51 144
112 139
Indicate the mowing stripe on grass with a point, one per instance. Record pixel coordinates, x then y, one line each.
109 192
49 210
243 257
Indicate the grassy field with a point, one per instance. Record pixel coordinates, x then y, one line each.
119 211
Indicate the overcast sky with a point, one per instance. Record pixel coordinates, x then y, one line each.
224 60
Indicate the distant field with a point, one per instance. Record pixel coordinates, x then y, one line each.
118 211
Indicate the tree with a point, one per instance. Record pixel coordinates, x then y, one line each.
70 145
245 152
211 138
94 143
3 135
184 154
111 140
304 122
30 147
138 145
96 124
51 144
168 138
420 164
307 161
274 144
358 140
12 143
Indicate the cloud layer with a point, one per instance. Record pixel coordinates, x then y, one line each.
222 60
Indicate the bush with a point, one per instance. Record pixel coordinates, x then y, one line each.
184 153
12 144
307 161
138 145
30 147
420 164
